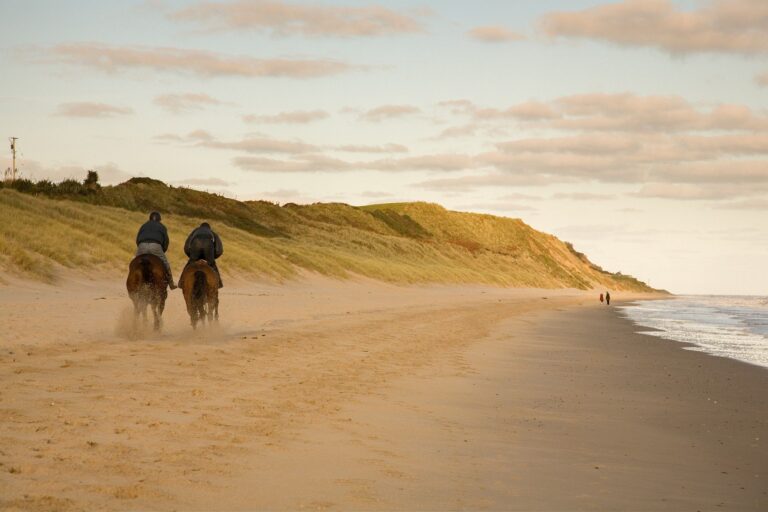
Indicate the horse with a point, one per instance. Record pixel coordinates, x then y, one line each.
200 286
147 285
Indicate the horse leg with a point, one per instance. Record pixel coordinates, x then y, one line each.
156 314
202 313
192 311
161 307
136 311
158 304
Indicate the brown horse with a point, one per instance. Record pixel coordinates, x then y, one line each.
200 285
147 285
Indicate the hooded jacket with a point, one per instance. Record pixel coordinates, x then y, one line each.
153 231
205 232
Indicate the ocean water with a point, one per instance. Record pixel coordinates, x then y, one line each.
726 326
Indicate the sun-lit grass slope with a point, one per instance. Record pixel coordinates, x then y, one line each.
94 230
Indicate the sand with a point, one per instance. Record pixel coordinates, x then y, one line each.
323 394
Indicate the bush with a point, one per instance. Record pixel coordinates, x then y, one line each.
91 181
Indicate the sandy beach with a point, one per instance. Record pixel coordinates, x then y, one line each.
320 394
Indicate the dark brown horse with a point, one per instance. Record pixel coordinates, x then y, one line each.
200 285
147 285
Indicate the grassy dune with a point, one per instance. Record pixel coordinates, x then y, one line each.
94 229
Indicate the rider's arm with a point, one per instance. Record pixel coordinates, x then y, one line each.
166 240
218 246
189 241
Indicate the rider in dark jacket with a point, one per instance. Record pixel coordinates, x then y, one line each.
152 238
204 244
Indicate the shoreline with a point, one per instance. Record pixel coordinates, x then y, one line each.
685 345
367 396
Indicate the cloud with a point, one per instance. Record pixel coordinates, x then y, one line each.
200 135
718 26
388 112
294 117
581 196
92 110
111 59
527 111
558 166
435 162
283 18
460 106
620 112
627 112
746 204
204 182
286 195
496 206
251 144
303 163
516 196
375 194
458 131
261 145
631 112
109 173
494 34
168 138
696 191
185 102
584 144
762 79
743 172
316 162
363 148
497 179
741 144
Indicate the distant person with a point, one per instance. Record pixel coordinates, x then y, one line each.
204 244
601 298
608 298
152 238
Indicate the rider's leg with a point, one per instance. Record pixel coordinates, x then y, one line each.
168 274
218 274
157 250
211 259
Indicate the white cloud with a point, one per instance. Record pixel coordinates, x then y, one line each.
112 59
494 34
281 18
185 102
92 110
292 117
720 26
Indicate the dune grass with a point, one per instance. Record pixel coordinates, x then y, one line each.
43 237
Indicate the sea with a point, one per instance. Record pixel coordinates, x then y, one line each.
726 325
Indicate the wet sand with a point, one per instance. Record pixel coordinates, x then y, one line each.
350 396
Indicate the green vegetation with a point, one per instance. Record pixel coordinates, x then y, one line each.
50 227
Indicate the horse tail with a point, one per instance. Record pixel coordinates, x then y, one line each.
146 270
198 287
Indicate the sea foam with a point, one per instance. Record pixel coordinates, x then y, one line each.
726 326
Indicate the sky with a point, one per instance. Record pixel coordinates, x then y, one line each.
636 129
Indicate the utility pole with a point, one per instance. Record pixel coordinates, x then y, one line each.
13 152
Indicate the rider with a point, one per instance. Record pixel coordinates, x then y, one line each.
204 244
152 238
